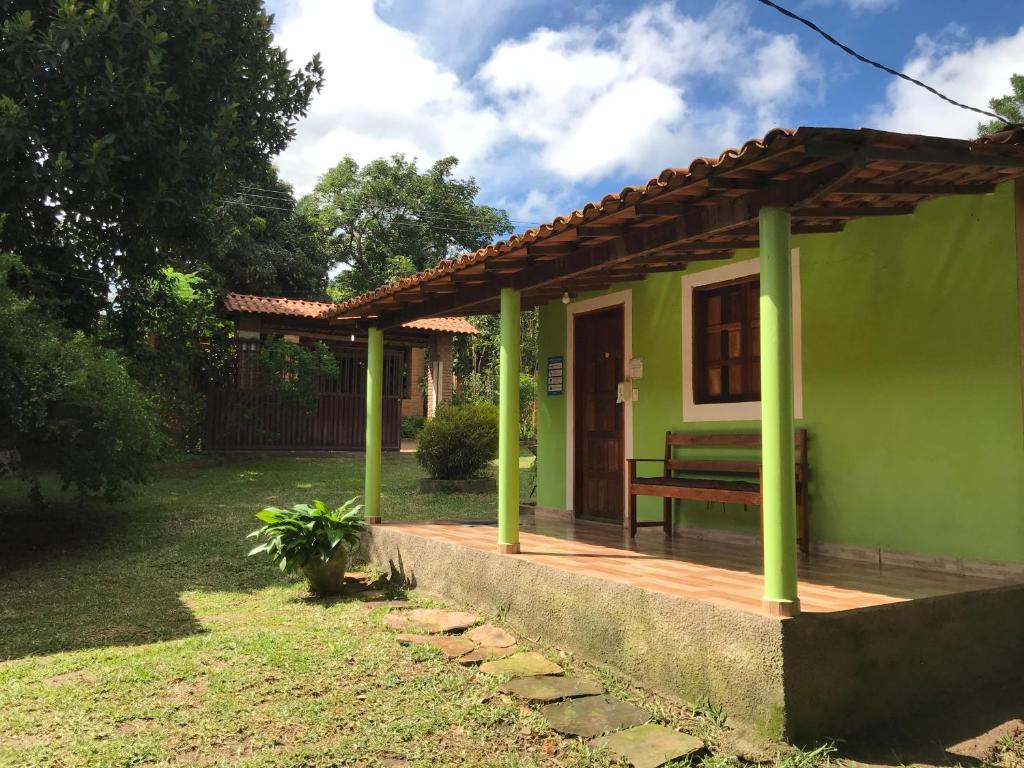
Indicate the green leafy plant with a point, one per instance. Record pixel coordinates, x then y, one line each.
294 371
706 708
307 534
411 426
459 442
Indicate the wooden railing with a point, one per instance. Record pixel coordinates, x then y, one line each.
254 420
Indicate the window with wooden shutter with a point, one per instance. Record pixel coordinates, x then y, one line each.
726 360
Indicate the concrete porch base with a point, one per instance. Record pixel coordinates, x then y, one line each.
806 678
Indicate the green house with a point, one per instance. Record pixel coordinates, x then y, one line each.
780 428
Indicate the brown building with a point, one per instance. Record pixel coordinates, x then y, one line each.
241 416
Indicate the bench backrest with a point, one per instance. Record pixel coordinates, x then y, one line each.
733 440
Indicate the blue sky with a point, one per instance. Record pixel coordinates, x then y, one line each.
550 104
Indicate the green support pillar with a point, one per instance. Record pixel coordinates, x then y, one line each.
778 481
508 426
374 414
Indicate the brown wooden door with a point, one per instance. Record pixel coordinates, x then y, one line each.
599 425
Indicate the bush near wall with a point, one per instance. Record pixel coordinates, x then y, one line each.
68 404
459 442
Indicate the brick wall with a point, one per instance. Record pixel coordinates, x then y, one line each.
414 405
440 352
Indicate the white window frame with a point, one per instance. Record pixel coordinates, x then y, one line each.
622 299
751 409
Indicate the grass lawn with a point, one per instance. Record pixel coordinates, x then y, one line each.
139 634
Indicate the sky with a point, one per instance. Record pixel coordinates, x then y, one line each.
552 103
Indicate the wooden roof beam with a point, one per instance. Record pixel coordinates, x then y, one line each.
597 230
874 188
853 212
698 223
839 149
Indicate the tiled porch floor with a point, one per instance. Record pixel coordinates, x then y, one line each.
728 575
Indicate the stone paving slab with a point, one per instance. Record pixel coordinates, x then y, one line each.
491 636
432 620
545 689
593 716
522 665
487 653
650 745
452 647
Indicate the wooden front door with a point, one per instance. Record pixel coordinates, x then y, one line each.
600 450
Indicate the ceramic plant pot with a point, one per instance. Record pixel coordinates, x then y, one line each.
327 578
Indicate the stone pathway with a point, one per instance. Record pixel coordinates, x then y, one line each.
572 706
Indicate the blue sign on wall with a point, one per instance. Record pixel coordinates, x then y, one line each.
556 375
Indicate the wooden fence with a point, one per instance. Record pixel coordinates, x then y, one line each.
254 420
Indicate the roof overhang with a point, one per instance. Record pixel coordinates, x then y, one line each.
826 177
319 313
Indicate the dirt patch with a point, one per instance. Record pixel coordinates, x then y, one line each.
76 677
1002 745
186 693
134 726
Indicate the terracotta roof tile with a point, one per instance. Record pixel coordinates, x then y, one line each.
276 305
773 142
668 179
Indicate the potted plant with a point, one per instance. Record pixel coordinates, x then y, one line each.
313 539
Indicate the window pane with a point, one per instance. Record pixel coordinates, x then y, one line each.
714 382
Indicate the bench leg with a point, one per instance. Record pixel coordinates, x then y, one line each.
805 542
666 511
632 515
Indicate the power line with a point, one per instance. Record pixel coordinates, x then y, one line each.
879 65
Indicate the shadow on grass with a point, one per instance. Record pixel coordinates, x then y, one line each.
74 578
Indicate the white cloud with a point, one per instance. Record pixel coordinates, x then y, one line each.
596 101
381 94
969 71
547 113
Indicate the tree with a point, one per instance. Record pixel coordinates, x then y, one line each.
260 244
123 124
1010 106
387 220
67 403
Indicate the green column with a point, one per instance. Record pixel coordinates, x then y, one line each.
508 426
374 415
778 482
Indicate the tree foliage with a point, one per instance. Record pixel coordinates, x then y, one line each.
260 244
123 123
176 343
388 219
68 403
1010 106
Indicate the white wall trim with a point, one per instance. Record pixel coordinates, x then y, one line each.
749 411
625 300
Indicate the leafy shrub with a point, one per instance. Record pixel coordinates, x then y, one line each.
527 406
411 426
294 371
307 532
67 403
177 344
459 442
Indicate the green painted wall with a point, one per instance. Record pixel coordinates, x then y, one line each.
911 374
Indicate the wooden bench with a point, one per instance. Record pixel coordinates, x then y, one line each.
728 480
